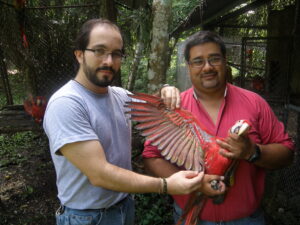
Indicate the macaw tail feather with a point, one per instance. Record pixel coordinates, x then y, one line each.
192 209
24 40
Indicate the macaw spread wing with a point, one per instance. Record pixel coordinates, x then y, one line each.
176 133
180 137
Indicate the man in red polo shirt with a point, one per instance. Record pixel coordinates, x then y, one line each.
218 105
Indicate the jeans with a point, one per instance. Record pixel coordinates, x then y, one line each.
120 214
257 218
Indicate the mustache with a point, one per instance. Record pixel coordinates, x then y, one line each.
106 68
208 73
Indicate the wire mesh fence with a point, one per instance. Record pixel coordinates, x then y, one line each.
37 45
282 194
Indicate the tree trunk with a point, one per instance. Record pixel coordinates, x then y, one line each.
158 61
108 10
171 50
135 64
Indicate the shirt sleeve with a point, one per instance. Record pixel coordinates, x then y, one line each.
150 151
271 129
66 121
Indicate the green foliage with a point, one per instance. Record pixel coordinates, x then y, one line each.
28 190
280 4
136 27
181 10
153 209
11 145
171 73
235 72
141 78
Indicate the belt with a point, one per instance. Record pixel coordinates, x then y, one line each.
62 208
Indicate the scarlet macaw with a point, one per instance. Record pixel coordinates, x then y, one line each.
36 106
183 140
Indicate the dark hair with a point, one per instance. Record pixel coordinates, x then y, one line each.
203 37
83 36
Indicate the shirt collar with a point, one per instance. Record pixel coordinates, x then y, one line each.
196 97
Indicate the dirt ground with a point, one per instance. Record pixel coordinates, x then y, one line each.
28 190
27 186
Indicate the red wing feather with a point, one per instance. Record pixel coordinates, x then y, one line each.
173 131
161 129
149 124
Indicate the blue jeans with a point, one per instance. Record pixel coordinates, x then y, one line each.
257 218
120 214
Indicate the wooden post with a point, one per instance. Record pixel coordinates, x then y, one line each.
4 76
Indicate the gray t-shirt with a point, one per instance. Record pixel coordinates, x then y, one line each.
76 114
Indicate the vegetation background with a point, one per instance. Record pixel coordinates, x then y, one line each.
27 178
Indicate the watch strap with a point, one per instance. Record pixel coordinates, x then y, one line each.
256 156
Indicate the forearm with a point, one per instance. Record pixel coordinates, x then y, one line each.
159 167
183 182
274 156
89 158
118 179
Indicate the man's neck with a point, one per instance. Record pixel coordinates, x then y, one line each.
81 79
210 96
211 101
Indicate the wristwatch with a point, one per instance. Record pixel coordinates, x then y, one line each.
256 156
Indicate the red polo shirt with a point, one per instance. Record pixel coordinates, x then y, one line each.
244 197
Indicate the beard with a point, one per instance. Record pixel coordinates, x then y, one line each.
91 75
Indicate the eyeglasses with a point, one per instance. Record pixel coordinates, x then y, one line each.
102 53
213 61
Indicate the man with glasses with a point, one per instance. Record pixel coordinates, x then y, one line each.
218 105
90 137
